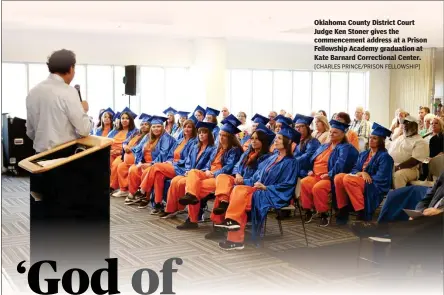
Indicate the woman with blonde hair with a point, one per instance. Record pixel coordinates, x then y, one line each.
322 128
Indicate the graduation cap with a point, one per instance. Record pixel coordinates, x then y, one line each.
109 111
260 119
301 119
290 133
339 125
170 110
380 131
158 120
212 112
130 112
230 128
232 120
283 119
194 119
183 114
270 134
208 125
199 108
144 118
116 116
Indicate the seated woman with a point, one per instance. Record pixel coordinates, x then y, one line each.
369 180
125 130
279 121
352 136
170 125
155 148
249 162
271 186
307 146
200 183
330 159
127 154
198 158
322 128
211 116
173 166
105 126
256 120
183 116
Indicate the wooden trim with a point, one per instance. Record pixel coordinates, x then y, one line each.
95 142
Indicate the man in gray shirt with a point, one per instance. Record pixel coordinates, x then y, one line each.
54 113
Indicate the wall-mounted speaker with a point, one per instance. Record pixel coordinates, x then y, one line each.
130 80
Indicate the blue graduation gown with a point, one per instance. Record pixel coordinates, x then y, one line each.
341 160
216 131
280 181
192 162
180 136
380 169
99 131
303 156
242 169
160 152
130 133
245 139
229 159
179 166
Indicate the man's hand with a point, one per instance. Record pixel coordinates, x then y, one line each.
85 106
432 211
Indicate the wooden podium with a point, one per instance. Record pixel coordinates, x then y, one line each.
71 222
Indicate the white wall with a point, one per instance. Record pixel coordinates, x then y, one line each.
439 76
35 46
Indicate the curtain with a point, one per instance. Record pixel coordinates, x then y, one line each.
412 88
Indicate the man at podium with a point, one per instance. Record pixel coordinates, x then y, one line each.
54 114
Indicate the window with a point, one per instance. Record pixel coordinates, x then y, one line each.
80 79
339 92
99 90
241 92
120 99
262 92
152 86
14 89
357 92
37 74
282 91
321 92
195 90
176 89
301 93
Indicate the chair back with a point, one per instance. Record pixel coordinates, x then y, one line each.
436 166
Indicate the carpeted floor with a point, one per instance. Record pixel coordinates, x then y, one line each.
141 240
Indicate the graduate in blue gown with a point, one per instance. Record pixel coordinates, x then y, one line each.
106 124
211 116
178 131
170 125
132 129
308 144
272 186
257 118
368 182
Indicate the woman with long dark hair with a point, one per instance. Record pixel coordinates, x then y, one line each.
249 163
368 182
200 183
330 159
271 186
125 130
256 120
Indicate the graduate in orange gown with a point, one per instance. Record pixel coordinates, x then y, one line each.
105 126
200 183
271 186
127 156
174 164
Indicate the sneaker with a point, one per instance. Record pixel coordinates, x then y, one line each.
155 211
164 214
139 194
366 229
187 225
229 224
223 206
216 234
325 221
385 239
360 215
143 204
188 199
308 216
227 245
131 200
120 194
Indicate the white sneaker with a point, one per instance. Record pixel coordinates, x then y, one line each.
120 194
381 240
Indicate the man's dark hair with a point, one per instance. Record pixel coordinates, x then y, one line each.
61 61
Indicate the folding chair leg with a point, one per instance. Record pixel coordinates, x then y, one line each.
265 225
280 227
303 223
